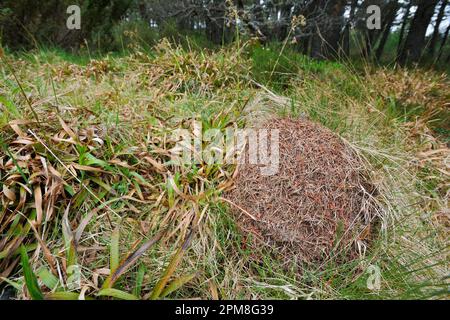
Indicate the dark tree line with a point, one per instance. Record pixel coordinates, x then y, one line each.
323 29
28 23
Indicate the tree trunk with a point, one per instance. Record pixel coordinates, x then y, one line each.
370 39
325 44
284 22
346 32
403 28
370 35
415 41
215 22
391 9
434 38
444 40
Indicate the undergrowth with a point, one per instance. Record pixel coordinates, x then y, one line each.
92 207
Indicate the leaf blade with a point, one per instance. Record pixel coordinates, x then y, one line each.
115 293
30 278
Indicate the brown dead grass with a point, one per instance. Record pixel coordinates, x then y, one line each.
317 205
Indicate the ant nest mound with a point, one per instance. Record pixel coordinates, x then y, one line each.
319 204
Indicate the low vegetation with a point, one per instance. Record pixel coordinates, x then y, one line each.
92 207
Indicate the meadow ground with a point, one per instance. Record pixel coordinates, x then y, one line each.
92 207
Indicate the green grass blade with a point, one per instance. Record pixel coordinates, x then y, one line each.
139 280
30 278
176 284
130 260
114 250
10 106
47 278
62 295
115 293
171 268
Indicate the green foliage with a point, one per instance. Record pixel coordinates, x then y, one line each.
137 101
276 68
169 30
30 277
129 35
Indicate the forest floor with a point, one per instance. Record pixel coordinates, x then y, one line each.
92 207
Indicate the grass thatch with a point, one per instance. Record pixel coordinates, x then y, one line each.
317 205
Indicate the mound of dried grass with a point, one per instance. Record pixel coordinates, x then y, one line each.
319 202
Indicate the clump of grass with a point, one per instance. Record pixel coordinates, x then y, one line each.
100 161
416 96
